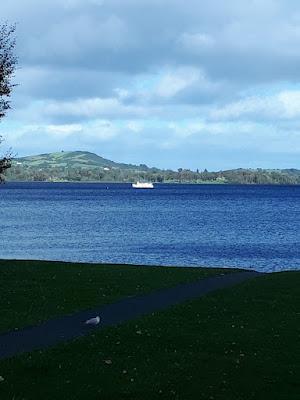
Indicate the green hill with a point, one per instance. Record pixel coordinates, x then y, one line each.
84 166
74 166
72 159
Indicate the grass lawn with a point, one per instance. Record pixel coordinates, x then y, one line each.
234 344
33 291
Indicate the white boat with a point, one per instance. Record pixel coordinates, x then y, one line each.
143 185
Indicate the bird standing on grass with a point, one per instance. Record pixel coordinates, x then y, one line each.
93 321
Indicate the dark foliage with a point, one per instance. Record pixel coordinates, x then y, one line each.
5 163
22 172
8 62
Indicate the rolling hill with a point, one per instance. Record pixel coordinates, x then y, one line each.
73 159
84 166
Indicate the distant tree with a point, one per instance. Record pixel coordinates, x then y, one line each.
8 62
5 163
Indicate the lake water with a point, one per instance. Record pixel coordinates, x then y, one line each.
255 227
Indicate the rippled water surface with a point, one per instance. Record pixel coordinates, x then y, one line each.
187 225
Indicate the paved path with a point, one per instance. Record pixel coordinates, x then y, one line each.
70 327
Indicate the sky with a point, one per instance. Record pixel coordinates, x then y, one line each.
170 83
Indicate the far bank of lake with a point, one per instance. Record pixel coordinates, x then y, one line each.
254 227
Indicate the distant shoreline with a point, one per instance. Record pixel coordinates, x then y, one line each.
160 183
82 166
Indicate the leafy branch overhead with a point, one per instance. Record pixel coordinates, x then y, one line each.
8 62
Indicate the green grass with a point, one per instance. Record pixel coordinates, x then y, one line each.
33 291
234 344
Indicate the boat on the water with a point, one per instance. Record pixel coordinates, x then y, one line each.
143 185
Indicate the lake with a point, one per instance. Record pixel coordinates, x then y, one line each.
255 227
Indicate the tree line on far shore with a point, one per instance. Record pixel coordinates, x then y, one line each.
83 174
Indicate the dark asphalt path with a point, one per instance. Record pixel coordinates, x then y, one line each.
72 326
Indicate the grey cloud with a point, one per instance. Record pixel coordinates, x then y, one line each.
48 28
67 83
238 41
76 52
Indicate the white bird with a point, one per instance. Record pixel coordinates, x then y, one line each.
93 321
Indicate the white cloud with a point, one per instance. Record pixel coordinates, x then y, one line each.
135 126
282 105
173 82
102 130
208 129
79 3
122 94
183 131
290 103
62 130
196 42
92 108
62 135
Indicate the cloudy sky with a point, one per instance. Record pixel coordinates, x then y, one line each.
171 83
